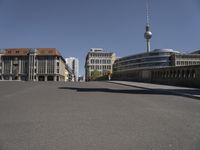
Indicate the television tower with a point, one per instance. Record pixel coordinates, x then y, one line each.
147 34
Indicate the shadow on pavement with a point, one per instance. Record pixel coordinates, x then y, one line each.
191 93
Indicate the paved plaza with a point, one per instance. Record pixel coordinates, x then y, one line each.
98 116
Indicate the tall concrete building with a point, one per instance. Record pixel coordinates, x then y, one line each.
99 60
73 64
32 64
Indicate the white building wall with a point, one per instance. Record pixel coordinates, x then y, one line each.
73 64
97 59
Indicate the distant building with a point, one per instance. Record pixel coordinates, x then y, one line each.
185 59
73 64
158 58
1 53
99 60
69 75
154 59
128 68
32 64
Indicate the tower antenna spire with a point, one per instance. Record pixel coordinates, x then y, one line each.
147 13
147 34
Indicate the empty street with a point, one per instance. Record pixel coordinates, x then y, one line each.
98 116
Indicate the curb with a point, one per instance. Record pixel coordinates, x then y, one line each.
165 90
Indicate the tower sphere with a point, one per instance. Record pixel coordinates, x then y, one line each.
147 35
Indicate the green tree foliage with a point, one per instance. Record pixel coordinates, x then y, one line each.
95 74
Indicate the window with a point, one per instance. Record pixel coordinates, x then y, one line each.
57 70
57 63
96 61
41 65
108 61
92 61
108 67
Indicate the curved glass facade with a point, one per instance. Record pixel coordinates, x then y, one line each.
155 59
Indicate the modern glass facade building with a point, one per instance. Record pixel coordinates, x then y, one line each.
140 67
155 59
28 64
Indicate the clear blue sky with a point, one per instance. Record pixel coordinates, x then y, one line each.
75 26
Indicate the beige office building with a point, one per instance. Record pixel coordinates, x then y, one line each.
97 59
28 64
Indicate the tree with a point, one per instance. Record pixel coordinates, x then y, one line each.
95 74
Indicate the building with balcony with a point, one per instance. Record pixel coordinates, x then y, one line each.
100 61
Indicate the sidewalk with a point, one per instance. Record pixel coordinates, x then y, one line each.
182 91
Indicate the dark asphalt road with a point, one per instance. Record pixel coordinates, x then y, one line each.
95 116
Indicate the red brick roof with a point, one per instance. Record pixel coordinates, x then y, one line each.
17 51
48 51
25 51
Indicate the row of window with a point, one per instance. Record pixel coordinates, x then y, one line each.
139 56
101 73
24 59
138 66
175 74
100 55
42 63
143 60
100 67
185 63
100 61
50 66
186 57
24 78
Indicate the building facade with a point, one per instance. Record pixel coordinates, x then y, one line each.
143 66
157 58
1 53
69 75
73 64
185 59
99 60
32 64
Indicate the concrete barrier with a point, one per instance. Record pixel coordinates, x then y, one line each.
178 75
